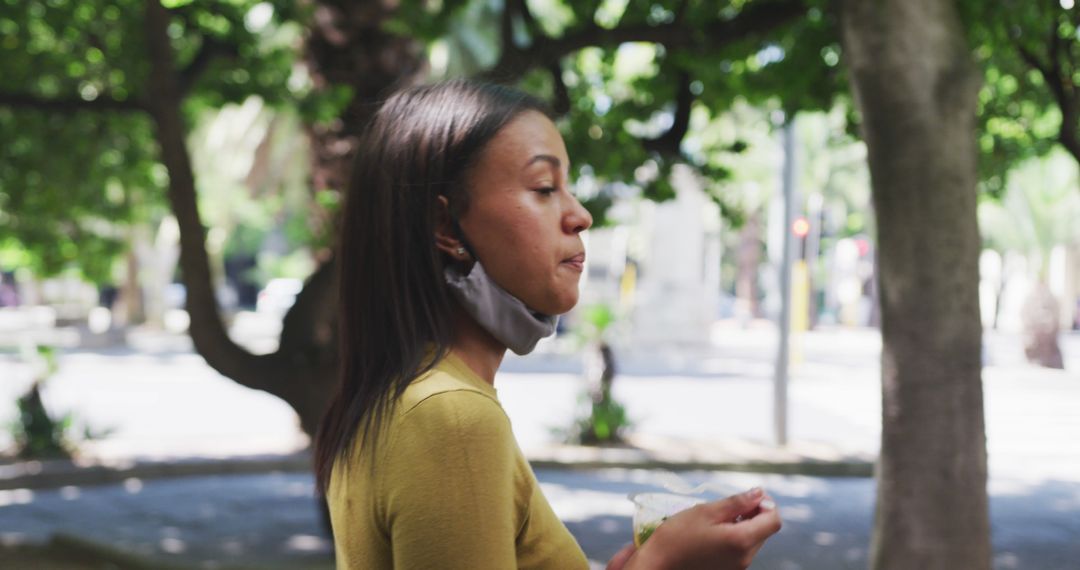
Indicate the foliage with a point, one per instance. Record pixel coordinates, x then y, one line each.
629 97
601 419
252 162
1038 210
627 106
626 128
37 433
79 163
68 202
1029 52
604 423
596 319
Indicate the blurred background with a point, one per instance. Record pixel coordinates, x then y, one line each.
170 178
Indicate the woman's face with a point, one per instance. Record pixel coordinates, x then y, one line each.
522 221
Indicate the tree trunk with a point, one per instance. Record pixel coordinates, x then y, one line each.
1041 327
915 85
301 372
130 311
345 46
748 262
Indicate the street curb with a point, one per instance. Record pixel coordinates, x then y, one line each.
689 455
52 474
40 475
807 468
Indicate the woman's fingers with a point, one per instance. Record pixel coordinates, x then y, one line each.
721 534
727 510
752 532
621 557
767 506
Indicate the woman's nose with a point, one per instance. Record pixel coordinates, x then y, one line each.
578 219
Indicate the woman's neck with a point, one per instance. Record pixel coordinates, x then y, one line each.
475 346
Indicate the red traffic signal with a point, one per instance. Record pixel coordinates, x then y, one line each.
800 227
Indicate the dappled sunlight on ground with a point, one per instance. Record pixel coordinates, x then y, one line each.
271 520
827 521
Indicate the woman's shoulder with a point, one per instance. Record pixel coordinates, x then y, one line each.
438 412
441 392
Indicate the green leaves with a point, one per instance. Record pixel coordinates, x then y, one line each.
92 55
626 98
1038 209
598 318
1028 52
427 20
79 163
68 185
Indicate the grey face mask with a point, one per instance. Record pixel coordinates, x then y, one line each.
503 315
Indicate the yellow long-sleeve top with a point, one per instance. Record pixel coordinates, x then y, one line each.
450 489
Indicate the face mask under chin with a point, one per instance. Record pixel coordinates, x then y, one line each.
503 315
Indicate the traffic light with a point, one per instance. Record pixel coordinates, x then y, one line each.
801 228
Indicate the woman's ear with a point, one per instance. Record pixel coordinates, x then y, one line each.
446 238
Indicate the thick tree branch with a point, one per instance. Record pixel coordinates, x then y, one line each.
300 371
528 19
518 9
1068 137
1060 89
680 11
211 49
1031 59
207 329
1047 70
1064 91
1070 48
506 26
758 18
668 144
310 320
70 104
1054 42
561 104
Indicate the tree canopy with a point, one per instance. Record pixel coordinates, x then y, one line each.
1030 99
80 160
632 79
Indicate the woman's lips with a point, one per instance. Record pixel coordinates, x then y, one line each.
577 262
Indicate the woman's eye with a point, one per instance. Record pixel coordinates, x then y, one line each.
546 190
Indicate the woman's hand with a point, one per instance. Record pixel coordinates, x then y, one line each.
720 535
618 562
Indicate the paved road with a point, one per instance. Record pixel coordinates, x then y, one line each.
269 521
161 401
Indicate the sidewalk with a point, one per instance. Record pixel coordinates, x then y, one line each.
698 408
269 520
185 479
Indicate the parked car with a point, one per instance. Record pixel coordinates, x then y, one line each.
278 295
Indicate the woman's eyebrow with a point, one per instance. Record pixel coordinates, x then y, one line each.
552 160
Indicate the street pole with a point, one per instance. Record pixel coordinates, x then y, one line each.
780 384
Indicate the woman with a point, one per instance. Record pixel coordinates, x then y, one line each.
461 239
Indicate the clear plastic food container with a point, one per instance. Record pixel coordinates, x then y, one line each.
654 508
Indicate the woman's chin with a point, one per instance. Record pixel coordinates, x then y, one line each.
563 305
555 300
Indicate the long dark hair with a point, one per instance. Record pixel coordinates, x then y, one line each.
395 320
